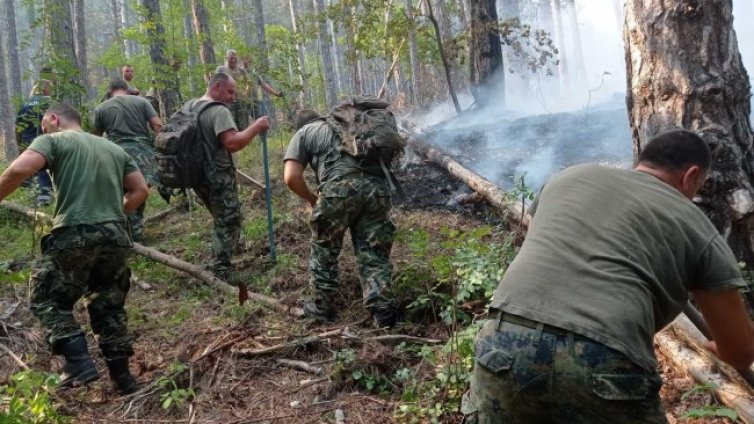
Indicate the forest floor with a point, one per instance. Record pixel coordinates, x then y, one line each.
198 352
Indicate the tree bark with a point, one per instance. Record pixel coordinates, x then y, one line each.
264 58
413 55
353 55
15 67
304 95
707 91
578 52
59 21
557 13
325 50
156 33
201 27
7 125
487 73
188 32
80 45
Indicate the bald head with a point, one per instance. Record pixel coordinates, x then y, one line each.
221 88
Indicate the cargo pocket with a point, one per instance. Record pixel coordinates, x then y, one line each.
495 360
469 409
625 386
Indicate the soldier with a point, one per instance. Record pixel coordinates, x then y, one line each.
219 193
127 73
126 120
28 127
349 195
86 252
248 95
609 260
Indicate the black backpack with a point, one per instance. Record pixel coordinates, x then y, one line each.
368 132
179 149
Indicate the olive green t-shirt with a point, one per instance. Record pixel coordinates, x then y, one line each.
124 117
315 145
611 254
215 120
87 172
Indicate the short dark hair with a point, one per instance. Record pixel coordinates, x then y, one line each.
218 78
65 111
304 116
117 84
676 150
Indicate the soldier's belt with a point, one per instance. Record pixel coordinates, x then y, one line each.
528 323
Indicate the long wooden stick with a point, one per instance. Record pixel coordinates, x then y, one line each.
174 263
248 180
15 357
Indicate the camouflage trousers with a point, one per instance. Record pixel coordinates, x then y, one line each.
546 375
361 204
219 194
84 261
242 113
142 152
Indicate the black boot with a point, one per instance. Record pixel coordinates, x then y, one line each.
319 310
388 317
125 383
79 368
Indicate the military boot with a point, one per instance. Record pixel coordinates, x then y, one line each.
320 309
79 368
120 374
386 317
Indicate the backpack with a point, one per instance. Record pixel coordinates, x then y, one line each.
178 147
368 131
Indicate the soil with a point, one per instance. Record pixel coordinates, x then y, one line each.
179 321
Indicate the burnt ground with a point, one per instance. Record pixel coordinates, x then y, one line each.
191 337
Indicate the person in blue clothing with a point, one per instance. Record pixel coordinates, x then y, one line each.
28 127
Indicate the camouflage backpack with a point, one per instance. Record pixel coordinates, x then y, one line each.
368 131
178 147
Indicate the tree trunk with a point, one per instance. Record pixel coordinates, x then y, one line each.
304 96
188 32
413 55
7 126
80 45
487 73
59 21
557 13
325 50
156 33
201 27
353 56
443 20
707 91
15 68
117 23
336 57
269 107
578 52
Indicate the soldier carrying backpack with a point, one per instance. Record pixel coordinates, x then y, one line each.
194 151
350 151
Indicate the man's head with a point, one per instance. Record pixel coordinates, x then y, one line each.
117 86
680 158
221 88
303 117
42 87
127 71
231 58
60 116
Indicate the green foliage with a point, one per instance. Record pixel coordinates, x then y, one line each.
174 396
711 411
29 399
698 389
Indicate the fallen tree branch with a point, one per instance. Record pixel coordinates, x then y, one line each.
300 365
402 338
174 263
250 353
681 343
161 214
247 180
15 357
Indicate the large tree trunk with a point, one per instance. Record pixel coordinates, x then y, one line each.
557 13
353 55
13 53
264 57
413 55
59 21
325 50
578 52
156 32
304 98
7 126
80 45
707 91
201 27
188 32
487 74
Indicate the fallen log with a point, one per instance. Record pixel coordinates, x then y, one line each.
247 180
681 342
494 195
300 365
173 262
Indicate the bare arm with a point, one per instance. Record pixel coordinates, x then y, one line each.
136 191
268 88
234 141
22 168
730 325
293 176
155 123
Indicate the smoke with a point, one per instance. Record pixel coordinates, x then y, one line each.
548 123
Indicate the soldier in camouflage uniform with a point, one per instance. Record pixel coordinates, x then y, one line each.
351 195
219 192
126 120
85 254
610 258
